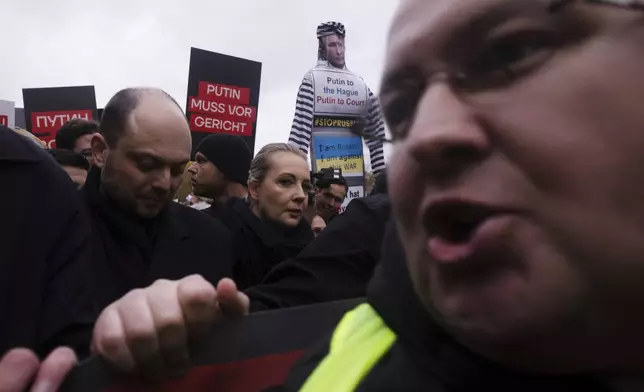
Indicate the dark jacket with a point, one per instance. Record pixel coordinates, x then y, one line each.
223 212
45 252
424 357
259 246
336 265
132 253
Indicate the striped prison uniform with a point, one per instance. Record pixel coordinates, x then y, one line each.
303 124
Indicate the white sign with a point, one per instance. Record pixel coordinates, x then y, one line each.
339 93
8 114
354 192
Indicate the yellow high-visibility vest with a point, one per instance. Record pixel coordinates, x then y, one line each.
358 343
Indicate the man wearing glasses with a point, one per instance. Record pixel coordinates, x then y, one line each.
76 135
516 262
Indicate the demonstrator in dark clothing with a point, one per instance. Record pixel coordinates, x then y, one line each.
45 253
141 235
424 356
497 215
133 252
268 226
220 171
260 245
336 265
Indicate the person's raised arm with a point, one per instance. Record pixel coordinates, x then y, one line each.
303 119
375 134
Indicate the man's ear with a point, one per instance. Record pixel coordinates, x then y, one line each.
100 150
253 190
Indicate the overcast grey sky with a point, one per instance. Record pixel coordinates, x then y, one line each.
121 43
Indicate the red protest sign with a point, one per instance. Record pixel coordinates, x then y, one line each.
223 95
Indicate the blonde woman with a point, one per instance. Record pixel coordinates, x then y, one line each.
268 226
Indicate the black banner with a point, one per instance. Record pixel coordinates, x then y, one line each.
47 109
223 95
248 354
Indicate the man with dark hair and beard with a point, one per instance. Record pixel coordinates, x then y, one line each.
140 156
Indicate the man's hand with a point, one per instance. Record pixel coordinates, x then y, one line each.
20 368
359 126
147 331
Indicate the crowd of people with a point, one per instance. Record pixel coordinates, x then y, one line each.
501 249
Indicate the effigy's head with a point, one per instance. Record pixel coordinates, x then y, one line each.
331 43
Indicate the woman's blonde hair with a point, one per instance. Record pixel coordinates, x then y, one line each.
261 163
30 136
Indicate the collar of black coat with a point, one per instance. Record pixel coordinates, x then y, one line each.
272 234
391 293
167 222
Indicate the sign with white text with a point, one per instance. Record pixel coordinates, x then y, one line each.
339 93
48 109
354 192
223 94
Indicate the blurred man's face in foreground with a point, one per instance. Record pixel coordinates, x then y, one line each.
517 176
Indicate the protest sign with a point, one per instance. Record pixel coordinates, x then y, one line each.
330 100
333 145
246 354
223 95
48 109
8 114
354 192
340 152
339 93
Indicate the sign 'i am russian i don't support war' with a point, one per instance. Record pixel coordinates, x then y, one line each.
341 151
223 94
